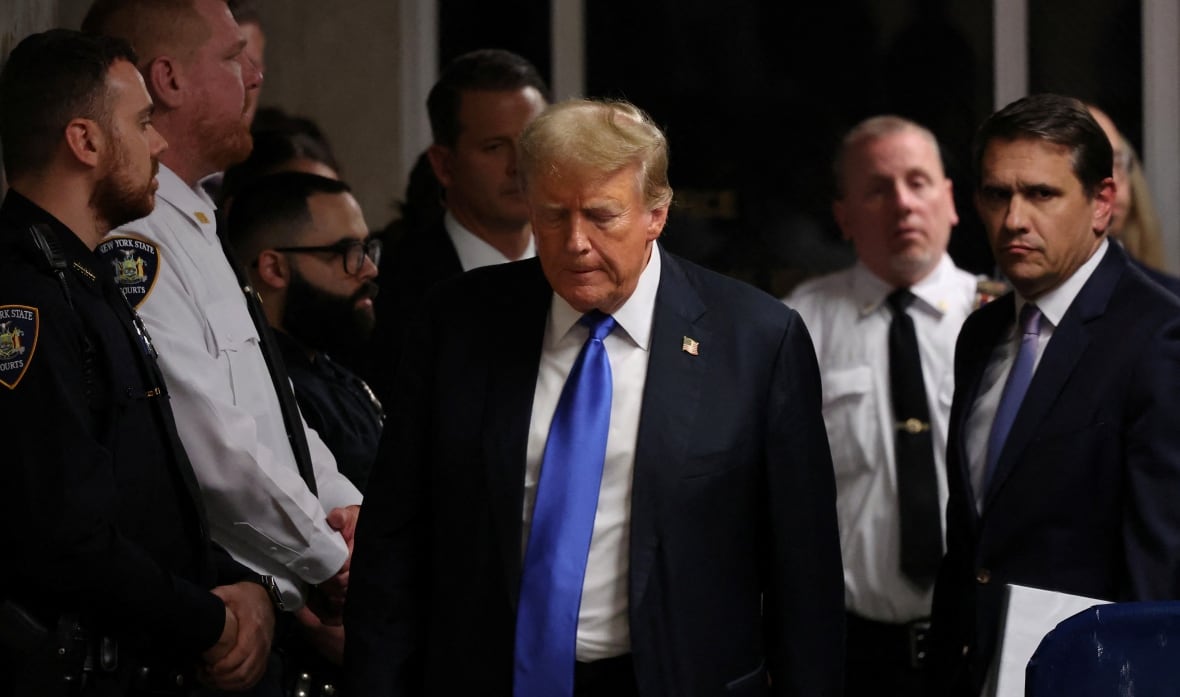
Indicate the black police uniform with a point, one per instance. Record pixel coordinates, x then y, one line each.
338 405
102 518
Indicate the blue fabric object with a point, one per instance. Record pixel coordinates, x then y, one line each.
1119 650
1019 377
563 521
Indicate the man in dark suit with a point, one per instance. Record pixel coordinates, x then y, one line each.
708 561
1064 452
477 109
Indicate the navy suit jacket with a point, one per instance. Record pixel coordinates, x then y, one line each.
1085 498
416 264
734 568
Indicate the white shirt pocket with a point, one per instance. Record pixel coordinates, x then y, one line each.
850 416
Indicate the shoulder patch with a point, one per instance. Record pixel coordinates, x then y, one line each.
19 325
135 264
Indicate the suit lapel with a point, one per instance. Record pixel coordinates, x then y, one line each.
671 399
1057 364
516 332
975 354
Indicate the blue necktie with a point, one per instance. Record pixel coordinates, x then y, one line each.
1019 377
563 520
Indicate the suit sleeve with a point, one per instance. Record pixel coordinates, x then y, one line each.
387 596
804 602
1151 518
60 521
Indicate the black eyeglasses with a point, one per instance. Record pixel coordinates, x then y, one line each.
353 252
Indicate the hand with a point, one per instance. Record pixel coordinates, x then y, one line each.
328 640
335 589
229 635
245 663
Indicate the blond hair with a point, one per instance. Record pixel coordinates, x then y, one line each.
603 136
154 28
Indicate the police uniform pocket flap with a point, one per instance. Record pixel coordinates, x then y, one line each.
230 324
846 383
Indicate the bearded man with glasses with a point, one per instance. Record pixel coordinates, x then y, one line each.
304 241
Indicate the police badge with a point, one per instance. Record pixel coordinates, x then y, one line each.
136 263
19 325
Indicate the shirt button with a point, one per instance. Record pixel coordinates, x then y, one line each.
983 576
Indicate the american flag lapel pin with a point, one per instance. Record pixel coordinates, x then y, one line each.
690 346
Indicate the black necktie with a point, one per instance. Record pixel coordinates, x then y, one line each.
917 482
278 373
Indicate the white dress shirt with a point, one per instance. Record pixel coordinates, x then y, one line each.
848 319
603 626
228 415
1053 306
473 251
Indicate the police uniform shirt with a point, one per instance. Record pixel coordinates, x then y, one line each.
338 405
102 516
260 509
849 323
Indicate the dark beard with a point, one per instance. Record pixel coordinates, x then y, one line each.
324 321
117 200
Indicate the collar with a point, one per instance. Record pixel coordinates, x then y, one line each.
634 317
192 203
1054 303
20 212
474 252
934 293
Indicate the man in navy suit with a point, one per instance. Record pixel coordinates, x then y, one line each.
478 109
713 566
1071 486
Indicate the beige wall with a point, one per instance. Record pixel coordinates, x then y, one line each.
336 63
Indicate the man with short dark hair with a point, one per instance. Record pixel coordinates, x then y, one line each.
304 240
1063 458
276 500
105 536
608 475
478 109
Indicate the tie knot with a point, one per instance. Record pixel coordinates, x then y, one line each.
599 324
900 300
1030 319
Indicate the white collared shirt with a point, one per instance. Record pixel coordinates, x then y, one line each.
228 415
848 319
473 251
1053 306
603 626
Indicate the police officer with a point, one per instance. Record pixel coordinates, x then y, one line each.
110 585
311 259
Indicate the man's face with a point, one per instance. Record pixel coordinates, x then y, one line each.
224 80
326 307
897 206
126 186
256 52
479 171
1041 223
594 234
1121 173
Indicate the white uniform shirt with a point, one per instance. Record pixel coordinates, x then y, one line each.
228 415
474 252
603 627
1053 306
849 320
